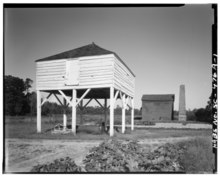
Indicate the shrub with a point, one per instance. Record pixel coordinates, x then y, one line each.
59 165
129 156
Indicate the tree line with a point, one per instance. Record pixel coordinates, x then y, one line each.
19 100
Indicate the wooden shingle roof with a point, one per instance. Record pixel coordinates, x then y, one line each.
87 50
158 97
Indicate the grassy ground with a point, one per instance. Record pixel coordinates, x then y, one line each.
25 127
197 159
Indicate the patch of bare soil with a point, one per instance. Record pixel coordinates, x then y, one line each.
23 154
152 144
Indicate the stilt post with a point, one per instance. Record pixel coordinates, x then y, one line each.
105 111
81 111
38 111
64 115
74 112
132 114
123 113
111 111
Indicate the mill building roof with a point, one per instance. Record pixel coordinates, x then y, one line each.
158 97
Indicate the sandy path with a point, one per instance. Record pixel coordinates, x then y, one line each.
23 154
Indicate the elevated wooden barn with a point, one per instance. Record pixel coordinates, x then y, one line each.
89 72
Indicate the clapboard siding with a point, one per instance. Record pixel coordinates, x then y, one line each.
50 73
125 90
96 71
123 78
93 71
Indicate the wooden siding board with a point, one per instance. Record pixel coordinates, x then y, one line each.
120 76
95 69
49 65
49 74
123 88
94 60
51 69
92 74
123 78
96 83
49 62
123 68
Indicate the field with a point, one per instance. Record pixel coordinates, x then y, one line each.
24 148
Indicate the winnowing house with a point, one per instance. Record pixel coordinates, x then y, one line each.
88 72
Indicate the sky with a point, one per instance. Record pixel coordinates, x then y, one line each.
164 46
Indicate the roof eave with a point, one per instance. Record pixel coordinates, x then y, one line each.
124 64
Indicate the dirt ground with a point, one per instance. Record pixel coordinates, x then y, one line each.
22 154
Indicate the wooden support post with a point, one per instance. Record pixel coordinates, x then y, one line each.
111 111
132 114
64 115
81 112
74 112
105 111
38 111
123 113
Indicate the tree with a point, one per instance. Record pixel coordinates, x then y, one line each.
203 115
209 104
27 102
191 115
33 103
15 93
27 84
14 88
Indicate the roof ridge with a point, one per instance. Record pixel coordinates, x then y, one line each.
158 97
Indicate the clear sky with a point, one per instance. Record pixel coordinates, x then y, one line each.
164 47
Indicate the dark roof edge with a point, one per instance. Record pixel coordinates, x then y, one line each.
124 64
165 97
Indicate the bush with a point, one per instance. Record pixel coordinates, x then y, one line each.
59 165
128 156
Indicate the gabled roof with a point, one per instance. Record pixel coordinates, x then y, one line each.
158 97
87 50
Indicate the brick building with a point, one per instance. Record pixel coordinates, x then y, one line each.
157 107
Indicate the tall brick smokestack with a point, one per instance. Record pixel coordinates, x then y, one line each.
182 104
